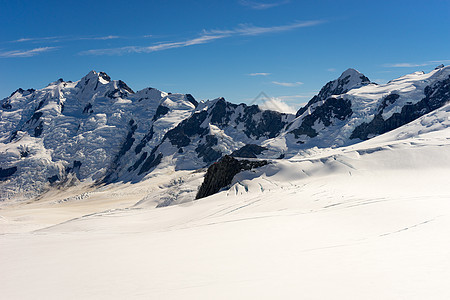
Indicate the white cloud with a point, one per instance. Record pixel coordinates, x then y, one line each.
249 29
331 70
56 39
39 39
108 37
287 84
414 65
158 47
277 104
259 74
261 5
26 53
207 36
405 65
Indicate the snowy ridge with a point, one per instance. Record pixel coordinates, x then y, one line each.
99 130
71 131
363 111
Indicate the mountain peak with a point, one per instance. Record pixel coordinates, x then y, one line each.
96 76
354 77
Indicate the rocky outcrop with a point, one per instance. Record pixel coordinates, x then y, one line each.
221 174
249 151
348 80
332 108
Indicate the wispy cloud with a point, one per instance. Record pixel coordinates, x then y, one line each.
56 39
102 38
26 53
414 65
249 29
206 36
259 74
154 48
287 84
331 70
261 5
36 39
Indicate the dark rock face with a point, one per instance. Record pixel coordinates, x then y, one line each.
256 124
179 136
36 116
221 174
122 85
269 126
435 96
144 141
88 109
38 130
388 100
53 179
206 151
160 111
333 108
151 162
40 105
5 173
104 76
221 112
6 105
75 169
249 151
126 146
191 99
327 91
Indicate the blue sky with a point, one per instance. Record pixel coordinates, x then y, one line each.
235 49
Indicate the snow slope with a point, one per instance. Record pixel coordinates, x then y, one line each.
368 221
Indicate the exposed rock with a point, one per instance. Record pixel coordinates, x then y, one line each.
206 151
5 173
179 136
160 111
333 108
221 174
249 151
191 99
348 80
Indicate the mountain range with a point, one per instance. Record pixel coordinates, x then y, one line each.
99 131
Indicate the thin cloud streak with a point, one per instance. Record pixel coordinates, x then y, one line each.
287 84
248 29
26 53
48 38
260 5
207 36
57 39
259 74
149 49
414 65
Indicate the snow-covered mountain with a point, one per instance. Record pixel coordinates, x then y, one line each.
351 109
376 206
366 221
71 131
99 130
215 128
